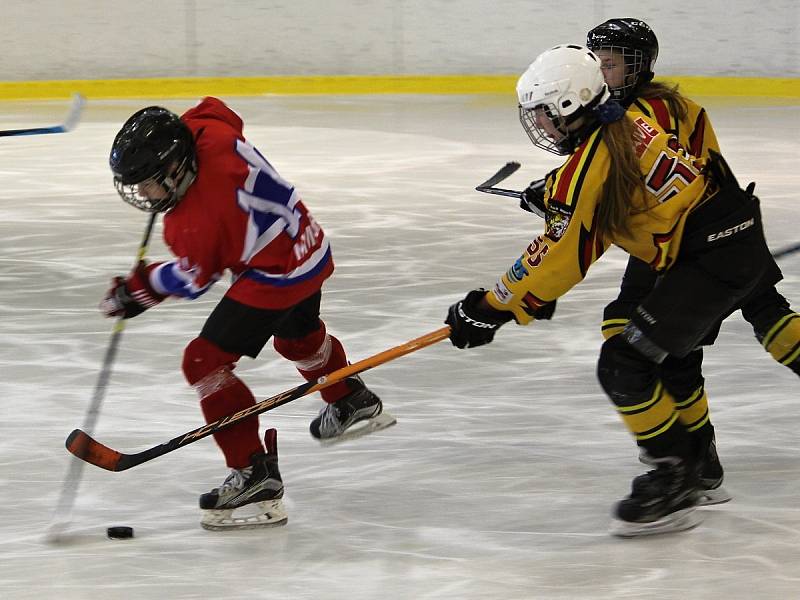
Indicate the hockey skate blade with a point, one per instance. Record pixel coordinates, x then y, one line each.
711 497
269 513
362 428
680 520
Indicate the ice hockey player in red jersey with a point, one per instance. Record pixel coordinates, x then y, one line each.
627 182
227 209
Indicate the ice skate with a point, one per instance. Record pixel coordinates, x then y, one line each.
662 501
249 497
709 488
357 414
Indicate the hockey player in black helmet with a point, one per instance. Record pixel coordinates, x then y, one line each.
628 49
226 210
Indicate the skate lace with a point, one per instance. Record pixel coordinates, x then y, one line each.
235 481
329 418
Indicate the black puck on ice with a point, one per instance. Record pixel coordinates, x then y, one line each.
119 533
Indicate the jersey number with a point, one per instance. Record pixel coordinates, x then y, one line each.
668 176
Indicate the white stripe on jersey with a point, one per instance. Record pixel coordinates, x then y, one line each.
288 220
310 263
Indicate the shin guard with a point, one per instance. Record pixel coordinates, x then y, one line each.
315 355
209 370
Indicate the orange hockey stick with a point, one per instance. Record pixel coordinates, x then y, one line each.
90 450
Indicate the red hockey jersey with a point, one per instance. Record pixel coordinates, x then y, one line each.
240 215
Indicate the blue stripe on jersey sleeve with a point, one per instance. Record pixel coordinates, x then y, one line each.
170 279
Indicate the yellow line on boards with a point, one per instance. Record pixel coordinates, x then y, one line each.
193 87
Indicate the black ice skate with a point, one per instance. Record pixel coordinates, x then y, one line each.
334 422
709 489
249 497
661 501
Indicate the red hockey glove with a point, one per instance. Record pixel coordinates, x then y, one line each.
473 324
131 296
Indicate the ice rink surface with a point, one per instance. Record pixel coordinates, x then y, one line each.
499 478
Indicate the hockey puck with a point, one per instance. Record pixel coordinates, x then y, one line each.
120 533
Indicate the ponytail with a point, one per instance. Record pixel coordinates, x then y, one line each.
623 181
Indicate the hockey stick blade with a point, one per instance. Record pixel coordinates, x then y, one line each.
69 123
504 173
90 450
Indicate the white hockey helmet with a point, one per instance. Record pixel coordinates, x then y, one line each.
562 85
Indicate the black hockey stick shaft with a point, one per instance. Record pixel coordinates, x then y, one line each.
783 252
68 491
500 192
90 450
504 172
69 123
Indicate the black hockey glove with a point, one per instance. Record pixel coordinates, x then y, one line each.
532 199
470 324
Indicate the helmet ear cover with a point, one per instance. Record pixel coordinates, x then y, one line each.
153 160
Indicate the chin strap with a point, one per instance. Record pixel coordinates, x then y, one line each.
176 188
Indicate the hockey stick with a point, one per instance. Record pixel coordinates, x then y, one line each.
786 251
500 192
487 187
506 171
68 491
90 450
69 123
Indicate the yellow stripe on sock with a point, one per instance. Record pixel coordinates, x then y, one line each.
782 341
694 408
659 431
651 415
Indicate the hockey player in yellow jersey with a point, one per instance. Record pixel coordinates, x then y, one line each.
626 182
628 50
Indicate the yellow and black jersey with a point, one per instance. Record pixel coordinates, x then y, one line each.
559 258
694 132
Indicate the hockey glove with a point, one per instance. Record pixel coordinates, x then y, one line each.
132 295
472 322
532 198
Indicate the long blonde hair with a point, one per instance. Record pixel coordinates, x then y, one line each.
623 180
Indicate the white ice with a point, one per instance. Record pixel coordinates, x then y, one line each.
499 478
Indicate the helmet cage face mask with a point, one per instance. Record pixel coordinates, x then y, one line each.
636 69
555 138
160 193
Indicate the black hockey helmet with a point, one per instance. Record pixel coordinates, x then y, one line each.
639 48
153 160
